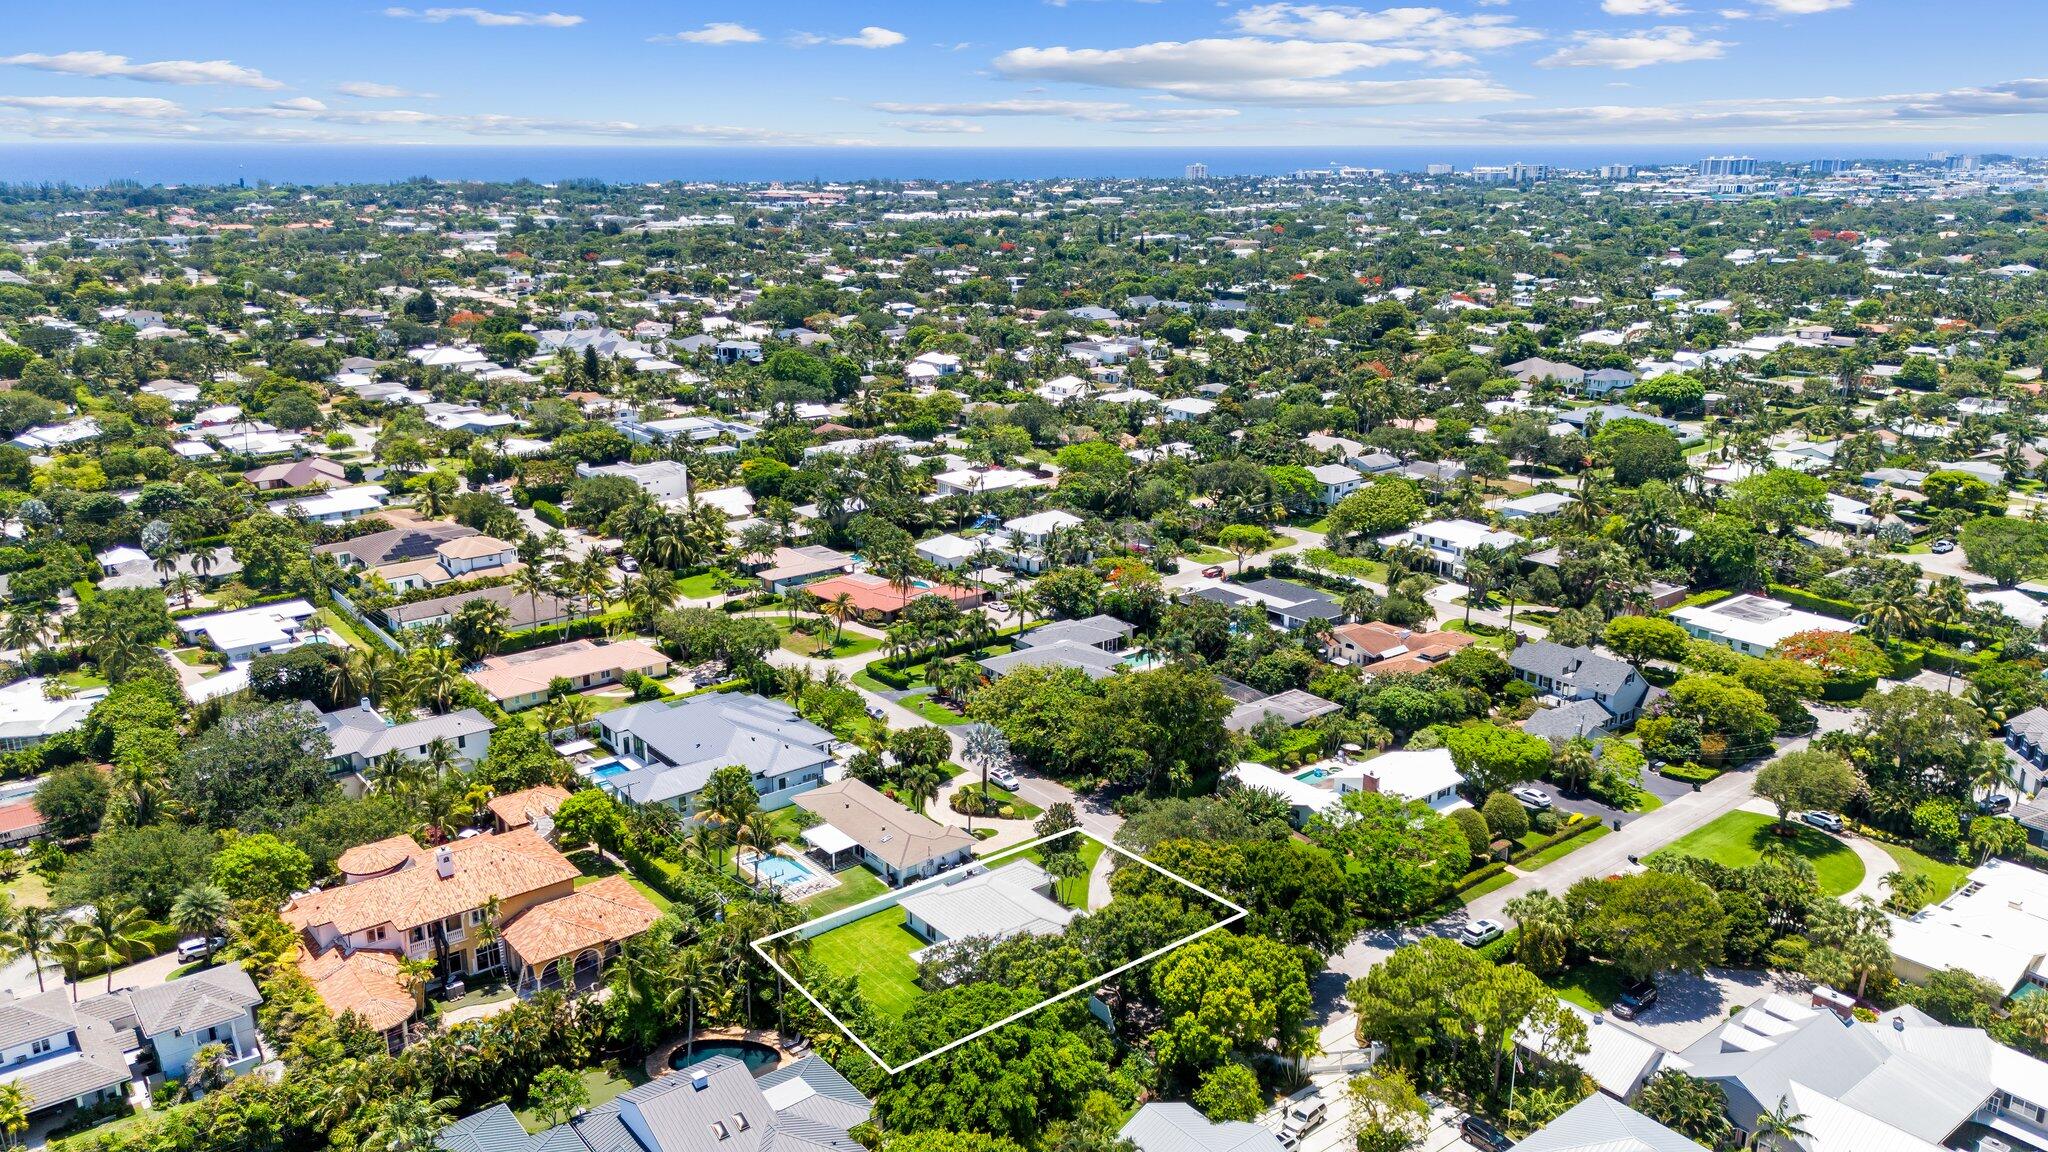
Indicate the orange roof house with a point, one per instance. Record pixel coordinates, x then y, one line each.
871 593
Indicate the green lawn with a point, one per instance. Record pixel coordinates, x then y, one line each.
931 710
1560 851
875 950
1091 851
1205 555
1493 884
79 680
1025 809
28 890
851 644
855 885
1947 877
1739 838
595 868
339 625
1647 801
1594 987
604 1084
702 586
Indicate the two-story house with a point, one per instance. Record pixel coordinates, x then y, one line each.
359 737
1449 542
61 1055
670 749
211 1006
1581 674
402 901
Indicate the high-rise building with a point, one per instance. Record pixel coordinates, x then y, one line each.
1440 169
1617 171
1519 172
1728 166
1196 171
1828 166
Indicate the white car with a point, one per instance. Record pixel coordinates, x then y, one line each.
1480 932
1943 547
1534 798
1305 1113
1825 821
1003 778
198 948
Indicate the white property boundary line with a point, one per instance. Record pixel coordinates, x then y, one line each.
891 898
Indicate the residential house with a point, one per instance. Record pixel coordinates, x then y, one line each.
521 679
521 611
64 1057
1162 1127
670 749
413 541
881 601
1537 370
862 825
250 632
1093 645
1995 925
314 472
1578 674
1618 1059
663 480
1293 708
792 568
1028 537
1379 646
430 904
529 807
359 737
1450 542
1535 506
451 560
1286 604
28 716
997 903
1904 1084
1752 624
1600 1123
1336 480
717 1104
2026 739
211 1006
334 506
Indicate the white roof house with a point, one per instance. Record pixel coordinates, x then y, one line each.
1007 900
1753 624
334 506
2014 603
1619 1059
250 631
1306 799
1427 775
1995 925
27 717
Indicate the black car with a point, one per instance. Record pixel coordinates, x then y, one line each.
1636 999
1995 805
1480 1134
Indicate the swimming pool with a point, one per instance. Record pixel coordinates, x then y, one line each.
757 1057
608 770
783 870
1312 774
1141 660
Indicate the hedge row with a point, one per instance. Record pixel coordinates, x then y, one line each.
587 628
549 514
1499 951
1688 773
1478 876
895 670
1570 832
1825 605
1840 691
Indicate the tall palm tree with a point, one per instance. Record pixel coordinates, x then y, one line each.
433 676
13 1114
29 627
112 936
691 980
201 910
34 933
408 1122
533 581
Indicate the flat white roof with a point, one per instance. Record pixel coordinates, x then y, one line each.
1757 621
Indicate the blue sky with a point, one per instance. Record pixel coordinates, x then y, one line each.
1014 73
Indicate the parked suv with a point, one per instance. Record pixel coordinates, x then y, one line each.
1305 1113
1636 999
1480 1134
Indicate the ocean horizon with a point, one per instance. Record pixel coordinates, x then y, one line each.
99 164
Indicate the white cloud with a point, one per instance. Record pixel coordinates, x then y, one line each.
940 127
371 90
1641 7
1415 26
718 32
872 37
1251 70
1092 111
1634 50
487 18
106 65
127 107
1804 7
300 104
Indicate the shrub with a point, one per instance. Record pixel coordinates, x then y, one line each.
549 514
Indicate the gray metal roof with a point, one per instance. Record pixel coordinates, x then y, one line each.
696 737
1093 630
717 1106
1000 902
1576 718
1601 1123
2031 726
1093 662
1179 1128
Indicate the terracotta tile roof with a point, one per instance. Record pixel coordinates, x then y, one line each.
377 856
871 593
365 983
607 911
522 674
517 809
505 865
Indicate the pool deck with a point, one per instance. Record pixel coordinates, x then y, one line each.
657 1061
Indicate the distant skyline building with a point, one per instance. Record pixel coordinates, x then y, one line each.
1727 166
1441 169
1828 166
1196 171
1617 171
1519 172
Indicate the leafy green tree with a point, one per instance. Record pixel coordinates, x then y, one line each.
1230 1092
261 867
146 867
1387 1113
1400 856
73 800
1543 931
254 770
1693 1108
1228 994
1649 922
1638 450
1783 499
589 816
1808 778
1493 758
1506 816
557 1094
1958 996
1639 639
2006 549
1387 505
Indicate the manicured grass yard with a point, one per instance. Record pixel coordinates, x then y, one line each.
1482 888
28 890
595 868
339 625
1739 838
1947 877
855 885
702 586
850 644
932 710
1594 987
875 950
605 1084
1560 851
1025 809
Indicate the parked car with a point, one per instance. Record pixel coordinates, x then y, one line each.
1003 778
875 712
1481 1134
199 948
1943 547
628 564
1996 804
1305 1113
1480 932
1636 999
1825 821
1213 571
1533 798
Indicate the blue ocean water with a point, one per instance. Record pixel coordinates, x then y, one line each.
101 163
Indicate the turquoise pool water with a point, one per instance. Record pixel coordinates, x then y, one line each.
607 771
757 1057
1312 774
783 870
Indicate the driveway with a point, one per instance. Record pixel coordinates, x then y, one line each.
1691 1005
19 977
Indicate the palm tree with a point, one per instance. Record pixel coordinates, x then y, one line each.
408 1123
433 676
139 787
112 936
200 910
34 933
13 1114
691 981
839 610
28 627
1779 1128
1897 612
533 581
413 974
920 784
